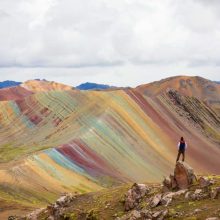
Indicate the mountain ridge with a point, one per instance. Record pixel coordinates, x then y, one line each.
69 140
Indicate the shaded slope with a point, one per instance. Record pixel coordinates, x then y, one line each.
198 87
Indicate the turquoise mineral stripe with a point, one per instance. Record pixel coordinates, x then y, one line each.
48 168
65 162
119 100
114 140
27 122
15 108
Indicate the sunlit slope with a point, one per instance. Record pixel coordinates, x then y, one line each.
44 85
58 141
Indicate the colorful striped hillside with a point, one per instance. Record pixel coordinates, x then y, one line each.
79 141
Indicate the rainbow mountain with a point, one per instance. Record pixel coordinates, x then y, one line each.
55 138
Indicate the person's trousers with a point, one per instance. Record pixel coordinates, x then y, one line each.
179 153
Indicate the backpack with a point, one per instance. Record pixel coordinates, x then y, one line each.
182 146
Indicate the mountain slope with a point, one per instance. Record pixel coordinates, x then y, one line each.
56 141
44 85
14 93
203 89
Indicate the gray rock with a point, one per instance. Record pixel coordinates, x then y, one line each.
199 194
146 214
167 199
156 214
215 193
134 195
133 215
204 182
33 215
198 191
155 200
187 196
179 193
196 211
159 215
212 218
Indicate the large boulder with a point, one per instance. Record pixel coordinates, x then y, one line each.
184 175
134 195
182 178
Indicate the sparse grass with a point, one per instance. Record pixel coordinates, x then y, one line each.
109 203
9 152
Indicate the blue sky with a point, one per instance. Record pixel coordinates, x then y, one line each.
118 42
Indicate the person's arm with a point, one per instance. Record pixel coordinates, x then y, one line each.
178 146
186 145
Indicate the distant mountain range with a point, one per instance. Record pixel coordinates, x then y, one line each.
8 83
83 86
93 86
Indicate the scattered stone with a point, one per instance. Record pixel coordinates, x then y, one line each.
212 218
166 184
156 214
199 194
91 215
65 199
12 218
187 196
184 175
167 199
57 208
107 205
155 200
159 215
146 214
163 214
134 195
133 215
198 191
215 193
179 193
204 182
33 215
196 211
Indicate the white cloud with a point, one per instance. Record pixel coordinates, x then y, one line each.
109 41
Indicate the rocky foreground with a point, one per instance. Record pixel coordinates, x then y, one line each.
182 195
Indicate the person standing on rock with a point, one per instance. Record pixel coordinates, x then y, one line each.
182 145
